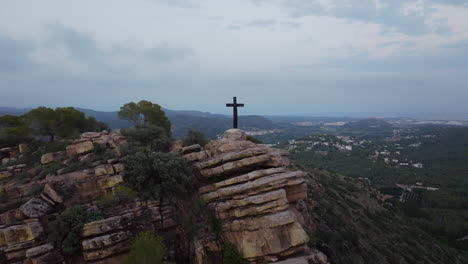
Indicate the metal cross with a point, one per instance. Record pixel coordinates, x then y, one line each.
234 105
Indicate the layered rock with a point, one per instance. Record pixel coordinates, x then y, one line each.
22 238
250 189
108 240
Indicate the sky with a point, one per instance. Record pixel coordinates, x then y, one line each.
279 57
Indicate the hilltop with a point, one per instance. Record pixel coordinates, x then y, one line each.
314 215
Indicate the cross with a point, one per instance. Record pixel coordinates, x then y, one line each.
234 105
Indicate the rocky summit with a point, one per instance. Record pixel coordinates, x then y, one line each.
248 187
254 194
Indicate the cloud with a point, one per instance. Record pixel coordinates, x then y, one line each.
15 56
320 54
262 23
179 3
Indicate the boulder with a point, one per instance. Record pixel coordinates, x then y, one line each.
190 149
12 216
109 181
22 148
39 250
108 225
17 251
35 208
20 233
104 241
5 174
80 148
105 169
102 140
47 158
317 257
87 157
235 134
119 167
90 135
5 161
114 249
52 194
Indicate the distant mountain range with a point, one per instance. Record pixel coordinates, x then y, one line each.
182 120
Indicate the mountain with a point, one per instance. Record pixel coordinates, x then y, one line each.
182 120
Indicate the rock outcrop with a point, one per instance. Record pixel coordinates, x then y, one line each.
22 229
251 190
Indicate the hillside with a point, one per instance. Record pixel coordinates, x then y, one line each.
429 156
352 225
74 201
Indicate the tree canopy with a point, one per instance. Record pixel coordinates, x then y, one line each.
64 122
13 130
156 174
145 113
195 137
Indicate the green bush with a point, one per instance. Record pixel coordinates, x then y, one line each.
23 177
231 255
36 189
146 249
155 174
254 140
121 195
65 230
76 165
50 168
152 137
195 137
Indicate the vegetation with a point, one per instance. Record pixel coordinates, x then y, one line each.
195 137
65 230
156 174
145 113
13 131
153 137
442 151
146 249
254 140
121 195
352 226
231 255
46 123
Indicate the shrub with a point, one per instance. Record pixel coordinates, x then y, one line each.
23 177
254 140
121 195
152 137
50 168
76 165
36 189
195 137
146 249
231 255
65 230
155 174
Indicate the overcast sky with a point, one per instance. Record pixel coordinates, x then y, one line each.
277 56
